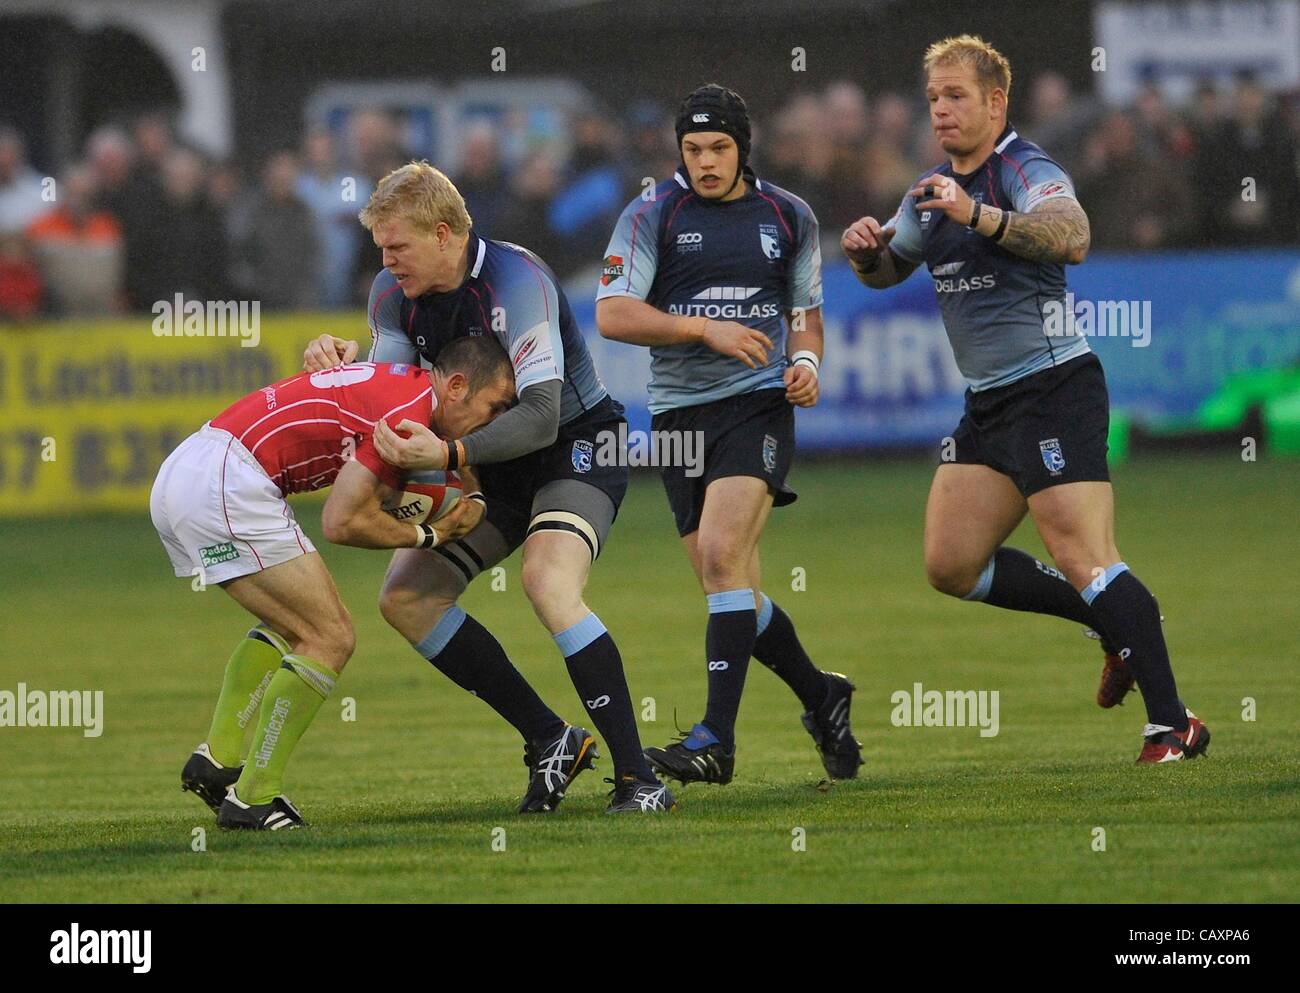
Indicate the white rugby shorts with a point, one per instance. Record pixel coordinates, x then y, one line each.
218 513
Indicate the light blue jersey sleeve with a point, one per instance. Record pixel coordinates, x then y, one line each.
805 285
388 342
632 256
531 335
907 232
1037 181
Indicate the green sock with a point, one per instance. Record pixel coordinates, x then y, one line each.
296 692
247 674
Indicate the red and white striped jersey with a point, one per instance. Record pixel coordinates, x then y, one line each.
302 429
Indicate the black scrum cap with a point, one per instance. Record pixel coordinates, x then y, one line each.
715 108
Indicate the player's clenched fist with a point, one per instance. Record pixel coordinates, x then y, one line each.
738 342
801 386
327 351
865 238
460 521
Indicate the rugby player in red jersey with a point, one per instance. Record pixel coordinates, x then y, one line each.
219 506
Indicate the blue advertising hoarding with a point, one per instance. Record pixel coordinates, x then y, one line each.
1179 325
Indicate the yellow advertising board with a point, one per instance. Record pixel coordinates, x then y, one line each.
89 410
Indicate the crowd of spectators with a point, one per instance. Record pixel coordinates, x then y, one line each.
140 217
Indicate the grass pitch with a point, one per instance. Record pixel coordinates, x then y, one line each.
405 802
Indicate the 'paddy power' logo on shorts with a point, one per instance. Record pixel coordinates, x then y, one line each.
223 552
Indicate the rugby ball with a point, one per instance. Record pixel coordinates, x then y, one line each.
424 496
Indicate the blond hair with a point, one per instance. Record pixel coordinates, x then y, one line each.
992 70
420 194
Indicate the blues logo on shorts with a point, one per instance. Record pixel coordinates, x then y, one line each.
769 452
1052 457
582 456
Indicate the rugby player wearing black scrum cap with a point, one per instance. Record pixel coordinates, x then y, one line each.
719 275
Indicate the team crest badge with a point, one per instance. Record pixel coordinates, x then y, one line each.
769 452
1052 457
770 239
582 456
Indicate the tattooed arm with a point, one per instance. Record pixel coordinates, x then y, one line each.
1055 231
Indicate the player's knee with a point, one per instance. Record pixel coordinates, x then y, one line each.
951 576
549 589
722 565
1079 569
394 602
345 638
1079 560
331 640
409 610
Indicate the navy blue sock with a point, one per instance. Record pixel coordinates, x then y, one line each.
1132 618
777 647
596 669
1015 580
728 644
465 652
